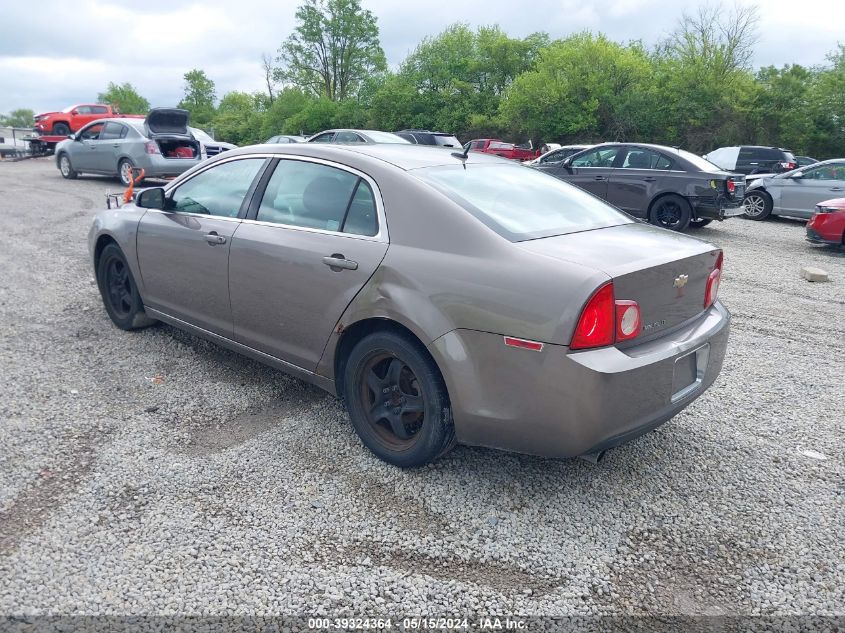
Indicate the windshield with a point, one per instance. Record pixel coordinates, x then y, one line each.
69 109
384 137
520 203
446 141
200 135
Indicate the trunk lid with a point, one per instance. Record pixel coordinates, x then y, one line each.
167 121
665 273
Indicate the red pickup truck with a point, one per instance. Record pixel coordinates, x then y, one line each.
501 148
72 118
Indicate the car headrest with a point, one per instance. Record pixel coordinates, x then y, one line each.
325 198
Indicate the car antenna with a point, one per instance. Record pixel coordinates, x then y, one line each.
462 156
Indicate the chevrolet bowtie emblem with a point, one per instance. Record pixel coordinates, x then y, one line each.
681 281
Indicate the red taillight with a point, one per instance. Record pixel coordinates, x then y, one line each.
731 186
596 327
151 147
789 166
713 281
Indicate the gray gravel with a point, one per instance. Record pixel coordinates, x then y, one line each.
154 473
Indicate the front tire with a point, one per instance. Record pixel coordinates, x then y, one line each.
670 212
119 291
61 129
66 168
758 205
397 400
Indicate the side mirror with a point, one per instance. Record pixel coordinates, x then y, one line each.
152 198
566 162
797 175
72 137
74 112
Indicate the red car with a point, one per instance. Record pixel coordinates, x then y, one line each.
498 147
74 117
827 226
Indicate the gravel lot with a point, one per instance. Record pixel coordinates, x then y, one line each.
155 473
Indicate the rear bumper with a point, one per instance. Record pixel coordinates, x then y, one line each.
558 403
156 166
715 208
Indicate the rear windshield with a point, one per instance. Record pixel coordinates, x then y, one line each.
521 203
446 141
701 163
384 137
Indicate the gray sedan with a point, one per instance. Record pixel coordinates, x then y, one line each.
445 298
161 145
357 136
795 193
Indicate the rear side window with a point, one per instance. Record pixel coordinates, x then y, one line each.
645 159
113 131
446 141
99 110
348 137
218 191
323 138
521 203
315 196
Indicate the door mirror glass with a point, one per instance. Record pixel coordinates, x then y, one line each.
150 198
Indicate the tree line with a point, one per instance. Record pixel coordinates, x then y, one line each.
696 89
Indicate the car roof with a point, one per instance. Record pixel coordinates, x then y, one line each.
403 156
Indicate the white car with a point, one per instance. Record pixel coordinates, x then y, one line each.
209 147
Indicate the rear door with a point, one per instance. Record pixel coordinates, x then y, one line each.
183 252
591 170
641 174
799 196
313 237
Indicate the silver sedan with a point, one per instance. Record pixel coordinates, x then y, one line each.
445 298
795 193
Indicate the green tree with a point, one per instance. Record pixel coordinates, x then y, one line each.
583 88
199 97
22 117
334 47
288 102
240 116
826 108
125 98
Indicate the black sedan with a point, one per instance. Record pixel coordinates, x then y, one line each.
669 187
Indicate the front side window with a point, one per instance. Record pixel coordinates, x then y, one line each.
91 133
603 157
218 191
315 196
83 110
833 171
521 203
645 159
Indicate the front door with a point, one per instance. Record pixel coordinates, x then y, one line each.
799 196
85 156
314 240
591 170
183 251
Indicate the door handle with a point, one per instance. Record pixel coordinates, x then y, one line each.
338 262
650 179
115 144
836 188
598 178
212 238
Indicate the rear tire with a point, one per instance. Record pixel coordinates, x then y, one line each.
66 168
670 212
61 129
758 205
397 400
119 290
697 224
124 171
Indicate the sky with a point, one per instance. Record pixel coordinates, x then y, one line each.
66 52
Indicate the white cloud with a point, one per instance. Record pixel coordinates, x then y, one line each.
68 52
